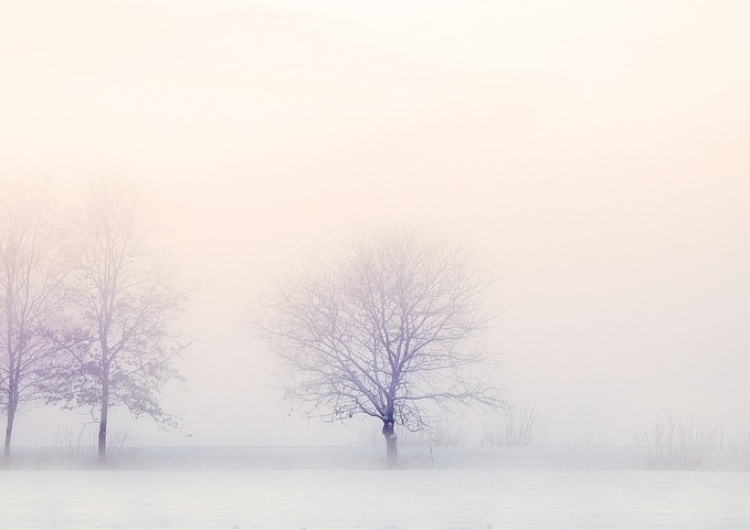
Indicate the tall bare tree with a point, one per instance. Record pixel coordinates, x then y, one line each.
31 281
387 329
126 305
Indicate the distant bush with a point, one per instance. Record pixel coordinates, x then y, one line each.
523 424
685 441
75 446
446 433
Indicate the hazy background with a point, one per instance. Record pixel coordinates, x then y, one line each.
598 154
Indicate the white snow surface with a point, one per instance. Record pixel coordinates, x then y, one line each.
297 498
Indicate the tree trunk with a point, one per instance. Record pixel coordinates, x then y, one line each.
391 446
12 406
102 440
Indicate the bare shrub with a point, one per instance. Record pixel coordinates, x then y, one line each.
521 425
685 441
446 433
73 445
123 444
76 445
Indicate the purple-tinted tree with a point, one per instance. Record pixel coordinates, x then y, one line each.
126 303
388 328
31 301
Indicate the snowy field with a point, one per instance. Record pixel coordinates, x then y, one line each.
206 494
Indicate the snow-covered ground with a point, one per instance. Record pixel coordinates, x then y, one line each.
216 497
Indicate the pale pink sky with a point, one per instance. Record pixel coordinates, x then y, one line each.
597 152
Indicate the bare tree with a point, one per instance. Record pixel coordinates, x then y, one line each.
387 329
31 279
126 303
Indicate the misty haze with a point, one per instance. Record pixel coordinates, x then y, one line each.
378 265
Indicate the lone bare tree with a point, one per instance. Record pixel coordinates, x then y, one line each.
126 303
388 329
31 280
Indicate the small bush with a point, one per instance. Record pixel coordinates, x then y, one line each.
75 446
523 424
445 433
684 441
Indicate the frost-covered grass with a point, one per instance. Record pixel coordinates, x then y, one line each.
257 498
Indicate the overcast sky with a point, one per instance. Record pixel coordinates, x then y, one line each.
598 153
